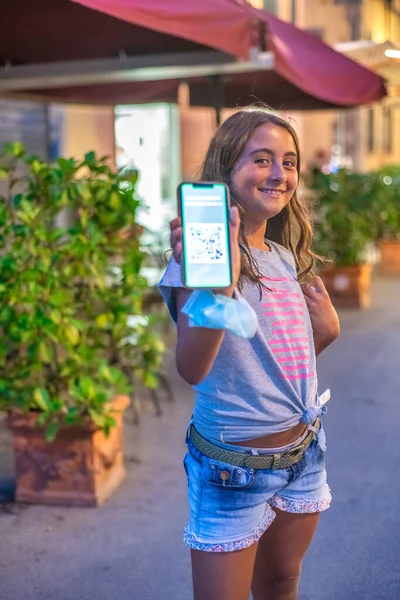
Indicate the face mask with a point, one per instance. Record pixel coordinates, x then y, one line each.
215 311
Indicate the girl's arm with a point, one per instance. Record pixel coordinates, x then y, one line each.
197 347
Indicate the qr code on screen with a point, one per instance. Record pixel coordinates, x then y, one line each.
206 243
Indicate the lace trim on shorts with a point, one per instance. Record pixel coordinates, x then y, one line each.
303 506
190 539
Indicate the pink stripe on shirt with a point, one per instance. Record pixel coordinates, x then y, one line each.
296 339
280 304
300 376
289 331
288 322
272 313
301 358
288 348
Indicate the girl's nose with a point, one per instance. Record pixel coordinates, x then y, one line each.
277 172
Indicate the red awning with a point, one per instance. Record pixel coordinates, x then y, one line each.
232 26
305 74
318 69
221 24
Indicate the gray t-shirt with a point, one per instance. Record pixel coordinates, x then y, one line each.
261 385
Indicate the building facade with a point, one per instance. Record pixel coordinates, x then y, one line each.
363 138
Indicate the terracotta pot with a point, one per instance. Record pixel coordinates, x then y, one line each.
390 257
348 287
81 467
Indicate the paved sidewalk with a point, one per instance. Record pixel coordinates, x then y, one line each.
131 548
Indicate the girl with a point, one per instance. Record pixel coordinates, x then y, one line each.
256 447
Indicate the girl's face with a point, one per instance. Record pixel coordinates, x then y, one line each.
265 177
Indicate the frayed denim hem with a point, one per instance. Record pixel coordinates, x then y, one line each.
303 506
191 541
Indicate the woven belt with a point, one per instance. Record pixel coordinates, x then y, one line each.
241 459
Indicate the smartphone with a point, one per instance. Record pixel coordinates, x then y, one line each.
206 258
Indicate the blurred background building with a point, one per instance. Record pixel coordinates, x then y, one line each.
362 138
166 142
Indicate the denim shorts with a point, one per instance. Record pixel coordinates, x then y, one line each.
231 513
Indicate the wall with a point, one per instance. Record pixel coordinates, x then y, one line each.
323 15
197 127
88 128
315 130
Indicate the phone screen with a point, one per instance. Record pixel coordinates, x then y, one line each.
204 209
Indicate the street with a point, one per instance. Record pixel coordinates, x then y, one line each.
132 549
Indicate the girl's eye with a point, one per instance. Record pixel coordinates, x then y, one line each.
263 161
290 163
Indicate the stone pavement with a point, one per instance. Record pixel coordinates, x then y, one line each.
131 548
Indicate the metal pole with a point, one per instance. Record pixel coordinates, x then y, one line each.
217 87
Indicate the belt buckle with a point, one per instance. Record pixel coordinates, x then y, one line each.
297 450
296 454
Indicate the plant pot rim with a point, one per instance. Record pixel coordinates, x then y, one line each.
390 241
17 419
338 267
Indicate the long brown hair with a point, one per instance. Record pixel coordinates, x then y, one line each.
292 226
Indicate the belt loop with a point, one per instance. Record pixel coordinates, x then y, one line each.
276 461
188 429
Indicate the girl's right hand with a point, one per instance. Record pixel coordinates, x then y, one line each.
234 225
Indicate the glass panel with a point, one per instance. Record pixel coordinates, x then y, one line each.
147 138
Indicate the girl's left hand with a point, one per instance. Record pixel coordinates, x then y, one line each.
324 318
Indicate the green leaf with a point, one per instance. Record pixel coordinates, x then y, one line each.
106 372
102 321
42 399
79 324
42 418
115 201
150 380
36 166
51 431
59 298
97 418
56 316
16 149
45 352
67 165
72 333
64 200
131 175
90 157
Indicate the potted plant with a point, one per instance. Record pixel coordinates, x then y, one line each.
344 230
73 335
387 218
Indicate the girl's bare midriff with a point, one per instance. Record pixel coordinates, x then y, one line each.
275 440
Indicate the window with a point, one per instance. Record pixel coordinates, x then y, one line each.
147 139
387 129
371 130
